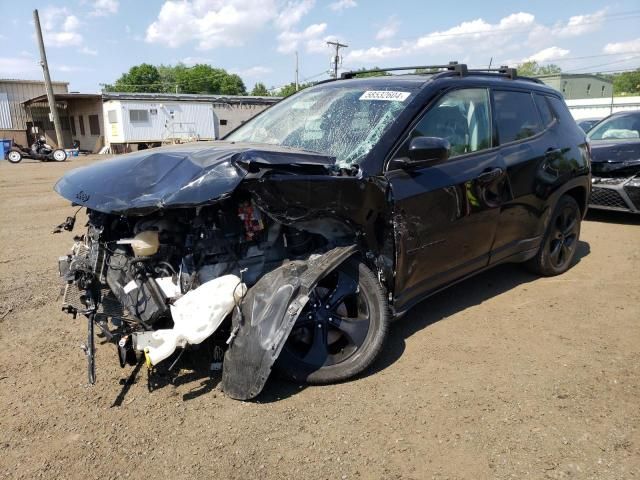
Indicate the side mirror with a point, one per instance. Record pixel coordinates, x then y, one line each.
425 151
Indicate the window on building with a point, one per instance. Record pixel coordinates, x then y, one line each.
138 115
112 116
223 122
602 91
81 124
94 125
72 124
516 116
64 123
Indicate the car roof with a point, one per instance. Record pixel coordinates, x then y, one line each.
415 81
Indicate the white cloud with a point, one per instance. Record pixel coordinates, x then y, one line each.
103 8
547 54
289 41
478 38
580 24
88 51
631 46
211 23
292 13
474 34
342 5
20 67
252 72
60 28
191 61
389 29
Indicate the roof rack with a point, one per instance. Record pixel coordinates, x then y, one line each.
460 68
452 68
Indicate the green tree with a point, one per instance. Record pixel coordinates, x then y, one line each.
627 83
533 69
140 78
166 78
366 74
290 89
260 90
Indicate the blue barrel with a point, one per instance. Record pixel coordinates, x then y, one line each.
6 146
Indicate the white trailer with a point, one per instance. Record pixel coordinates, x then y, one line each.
146 123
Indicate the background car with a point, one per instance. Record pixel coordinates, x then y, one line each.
615 150
587 124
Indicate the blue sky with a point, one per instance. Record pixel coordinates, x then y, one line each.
90 42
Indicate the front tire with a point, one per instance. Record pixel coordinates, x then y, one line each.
14 156
560 240
59 155
341 329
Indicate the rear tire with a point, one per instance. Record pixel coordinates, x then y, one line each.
59 155
560 240
341 330
14 156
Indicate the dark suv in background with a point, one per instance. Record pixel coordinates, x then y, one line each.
305 230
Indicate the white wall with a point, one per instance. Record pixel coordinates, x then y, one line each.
601 107
165 120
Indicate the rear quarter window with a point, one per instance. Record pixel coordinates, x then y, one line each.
545 110
561 111
516 116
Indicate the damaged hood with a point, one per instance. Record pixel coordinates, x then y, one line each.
179 176
621 157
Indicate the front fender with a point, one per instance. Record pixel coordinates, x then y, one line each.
266 318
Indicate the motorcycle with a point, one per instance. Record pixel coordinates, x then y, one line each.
40 150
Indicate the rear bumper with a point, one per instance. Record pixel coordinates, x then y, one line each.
619 194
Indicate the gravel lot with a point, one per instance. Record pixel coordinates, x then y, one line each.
503 376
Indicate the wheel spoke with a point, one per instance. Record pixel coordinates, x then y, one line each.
318 353
356 329
570 226
554 253
345 286
564 254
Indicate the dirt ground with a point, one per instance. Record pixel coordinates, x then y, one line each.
503 376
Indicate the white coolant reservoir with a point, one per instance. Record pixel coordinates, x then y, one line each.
196 315
143 244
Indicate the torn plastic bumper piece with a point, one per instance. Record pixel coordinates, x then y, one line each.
268 314
196 315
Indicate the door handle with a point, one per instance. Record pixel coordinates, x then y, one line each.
490 175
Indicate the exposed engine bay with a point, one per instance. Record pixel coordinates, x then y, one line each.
169 280
240 248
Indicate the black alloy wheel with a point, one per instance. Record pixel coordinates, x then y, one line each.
564 239
341 329
560 241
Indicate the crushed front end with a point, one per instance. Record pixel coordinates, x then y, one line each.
616 177
168 268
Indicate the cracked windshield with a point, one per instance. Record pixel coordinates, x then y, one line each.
342 122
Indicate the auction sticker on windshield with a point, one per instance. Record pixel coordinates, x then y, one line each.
388 95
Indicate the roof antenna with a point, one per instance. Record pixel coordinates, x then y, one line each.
490 62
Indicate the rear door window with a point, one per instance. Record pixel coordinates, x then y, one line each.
545 110
516 116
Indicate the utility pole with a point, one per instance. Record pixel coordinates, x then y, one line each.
47 82
336 58
297 83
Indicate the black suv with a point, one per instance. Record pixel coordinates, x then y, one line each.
308 228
